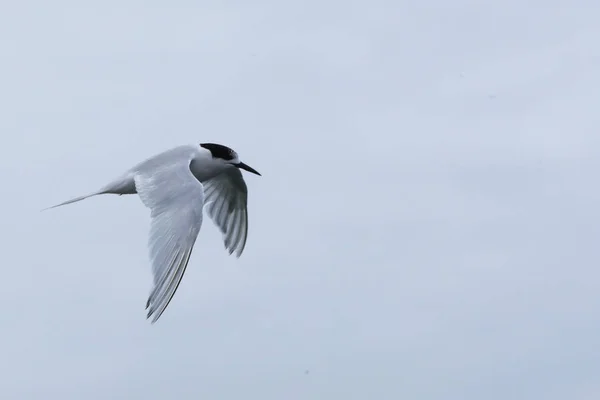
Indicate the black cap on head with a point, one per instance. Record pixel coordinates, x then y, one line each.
219 151
227 154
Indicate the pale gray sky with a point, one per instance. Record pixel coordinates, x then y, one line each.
426 225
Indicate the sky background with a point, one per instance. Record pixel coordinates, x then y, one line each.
426 226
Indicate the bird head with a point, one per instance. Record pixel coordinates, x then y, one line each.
227 155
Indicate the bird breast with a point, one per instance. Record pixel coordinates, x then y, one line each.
205 168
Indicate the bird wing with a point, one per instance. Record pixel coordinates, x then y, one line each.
226 204
175 197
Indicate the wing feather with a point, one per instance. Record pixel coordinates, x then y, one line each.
175 197
226 204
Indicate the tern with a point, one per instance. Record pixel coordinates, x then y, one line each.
177 185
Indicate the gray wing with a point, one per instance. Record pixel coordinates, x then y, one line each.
175 198
226 204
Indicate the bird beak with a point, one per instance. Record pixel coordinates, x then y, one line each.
247 168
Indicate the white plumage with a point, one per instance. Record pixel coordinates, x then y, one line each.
176 186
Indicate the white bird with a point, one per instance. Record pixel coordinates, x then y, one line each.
176 186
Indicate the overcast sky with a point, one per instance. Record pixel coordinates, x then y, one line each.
426 226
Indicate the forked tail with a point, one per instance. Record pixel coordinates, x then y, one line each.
125 184
75 200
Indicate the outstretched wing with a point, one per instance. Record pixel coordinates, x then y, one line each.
226 204
175 197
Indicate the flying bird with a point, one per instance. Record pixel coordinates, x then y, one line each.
177 185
